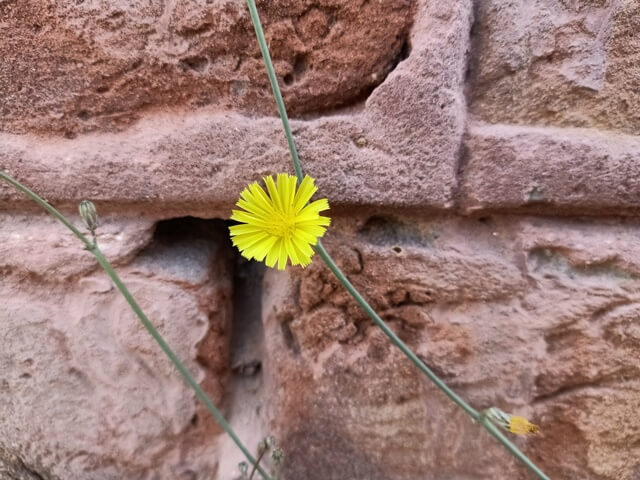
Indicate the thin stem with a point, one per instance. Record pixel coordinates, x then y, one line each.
104 263
273 80
189 380
43 203
258 460
342 278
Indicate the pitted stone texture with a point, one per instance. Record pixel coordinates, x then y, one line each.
86 392
550 170
532 315
586 387
13 467
197 163
71 67
557 63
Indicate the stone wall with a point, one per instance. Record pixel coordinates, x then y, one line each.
481 159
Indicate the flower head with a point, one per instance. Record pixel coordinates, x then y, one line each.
89 214
511 423
279 225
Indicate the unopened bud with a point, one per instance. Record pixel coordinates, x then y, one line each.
277 455
262 446
89 214
511 423
244 468
270 441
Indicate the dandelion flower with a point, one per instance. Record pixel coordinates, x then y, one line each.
279 225
511 423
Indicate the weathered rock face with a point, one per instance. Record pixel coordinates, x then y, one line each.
538 316
71 67
195 164
508 168
85 390
558 63
484 199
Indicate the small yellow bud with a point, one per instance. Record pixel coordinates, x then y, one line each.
522 426
511 423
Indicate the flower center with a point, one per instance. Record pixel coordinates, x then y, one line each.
283 226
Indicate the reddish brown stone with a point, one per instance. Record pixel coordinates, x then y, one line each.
555 342
85 390
70 67
163 108
568 64
550 170
197 163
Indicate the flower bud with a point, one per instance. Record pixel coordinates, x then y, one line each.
89 214
277 455
511 423
263 446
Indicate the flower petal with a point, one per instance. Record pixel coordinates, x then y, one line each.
260 249
282 256
272 255
273 193
244 242
245 217
261 197
304 193
244 228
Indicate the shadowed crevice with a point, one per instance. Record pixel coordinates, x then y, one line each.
12 467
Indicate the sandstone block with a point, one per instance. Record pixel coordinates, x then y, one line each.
550 335
189 161
568 64
73 67
550 170
85 391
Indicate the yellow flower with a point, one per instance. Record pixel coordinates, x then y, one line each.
511 423
522 426
281 225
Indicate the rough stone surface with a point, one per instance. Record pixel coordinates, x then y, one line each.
196 163
85 391
201 168
158 110
550 170
548 330
39 246
557 63
71 67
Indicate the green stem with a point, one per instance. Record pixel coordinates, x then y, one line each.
189 380
104 263
43 203
273 80
473 413
258 460
342 278
319 248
